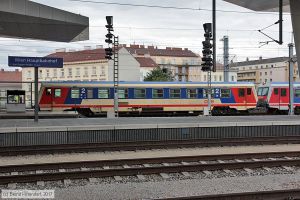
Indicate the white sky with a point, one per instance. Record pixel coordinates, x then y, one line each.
163 27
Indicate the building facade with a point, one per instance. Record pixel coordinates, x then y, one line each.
9 80
263 71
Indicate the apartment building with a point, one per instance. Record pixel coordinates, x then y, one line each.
265 70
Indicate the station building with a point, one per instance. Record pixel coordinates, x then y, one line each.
262 71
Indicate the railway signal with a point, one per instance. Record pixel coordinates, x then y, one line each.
207 48
109 37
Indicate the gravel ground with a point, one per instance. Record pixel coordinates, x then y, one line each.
177 188
14 160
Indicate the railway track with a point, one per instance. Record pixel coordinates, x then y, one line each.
89 147
265 195
147 166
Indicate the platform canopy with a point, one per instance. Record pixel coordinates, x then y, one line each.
261 5
30 20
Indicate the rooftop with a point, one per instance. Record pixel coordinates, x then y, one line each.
146 62
10 76
259 61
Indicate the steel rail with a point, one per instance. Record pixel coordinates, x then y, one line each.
140 161
64 148
146 170
266 195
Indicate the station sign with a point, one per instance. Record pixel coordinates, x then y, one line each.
16 61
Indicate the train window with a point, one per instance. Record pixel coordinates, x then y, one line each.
241 92
157 93
225 93
90 94
103 93
75 93
48 91
297 93
139 93
192 93
276 91
263 91
249 91
175 93
123 93
283 92
57 92
205 93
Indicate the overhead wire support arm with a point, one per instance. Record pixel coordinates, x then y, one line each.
280 22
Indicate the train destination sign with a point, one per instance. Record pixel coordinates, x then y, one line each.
16 61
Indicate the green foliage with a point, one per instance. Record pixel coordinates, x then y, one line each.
159 74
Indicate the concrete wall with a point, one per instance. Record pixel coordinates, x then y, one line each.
129 67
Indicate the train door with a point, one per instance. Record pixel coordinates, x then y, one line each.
283 99
47 99
248 97
275 100
242 97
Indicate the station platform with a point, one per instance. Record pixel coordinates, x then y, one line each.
26 132
29 114
73 124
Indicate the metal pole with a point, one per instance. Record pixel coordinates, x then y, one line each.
209 91
291 79
36 94
214 35
116 75
280 21
226 58
31 96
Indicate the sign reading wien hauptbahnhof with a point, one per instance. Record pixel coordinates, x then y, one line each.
16 61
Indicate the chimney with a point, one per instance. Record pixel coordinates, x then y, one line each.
247 59
186 49
168 48
142 46
60 50
260 57
99 46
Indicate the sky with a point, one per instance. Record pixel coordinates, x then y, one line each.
164 27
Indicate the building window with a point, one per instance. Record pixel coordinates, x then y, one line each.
103 93
157 93
266 73
266 80
54 73
47 73
232 78
192 93
29 74
215 78
40 73
225 93
86 72
256 67
62 73
70 72
272 66
77 71
261 67
271 72
220 78
174 93
241 92
139 93
57 92
260 73
267 66
123 93
271 80
103 70
204 78
94 71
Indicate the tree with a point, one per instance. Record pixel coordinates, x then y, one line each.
159 74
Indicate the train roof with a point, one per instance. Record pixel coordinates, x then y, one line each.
296 84
133 83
